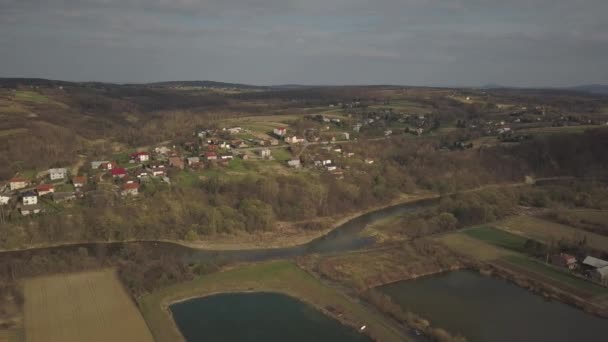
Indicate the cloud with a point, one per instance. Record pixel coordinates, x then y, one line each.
467 42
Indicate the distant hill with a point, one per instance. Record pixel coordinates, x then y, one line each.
592 88
210 84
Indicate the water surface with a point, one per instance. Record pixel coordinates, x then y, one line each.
489 309
269 317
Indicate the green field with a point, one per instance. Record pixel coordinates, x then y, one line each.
281 154
279 276
561 277
543 230
30 96
498 238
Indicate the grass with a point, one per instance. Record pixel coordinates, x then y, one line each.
188 178
14 131
278 276
542 230
558 276
557 130
86 306
30 96
498 238
281 154
471 247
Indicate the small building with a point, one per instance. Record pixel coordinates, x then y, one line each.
17 183
193 160
140 156
162 150
211 156
108 166
97 164
265 153
4 199
59 197
227 156
331 167
156 170
369 161
29 198
564 260
274 142
44 189
280 131
131 189
59 173
176 162
26 210
79 181
294 140
234 130
119 172
295 163
595 262
141 174
601 275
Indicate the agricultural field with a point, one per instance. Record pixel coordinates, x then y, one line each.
277 276
588 219
498 238
542 230
87 306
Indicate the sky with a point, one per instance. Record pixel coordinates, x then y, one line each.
525 43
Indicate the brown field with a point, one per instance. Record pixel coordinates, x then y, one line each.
542 230
87 306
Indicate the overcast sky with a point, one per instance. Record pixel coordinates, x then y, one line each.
410 42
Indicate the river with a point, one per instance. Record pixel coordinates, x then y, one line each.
256 317
489 309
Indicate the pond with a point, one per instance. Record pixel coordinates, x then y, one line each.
257 316
489 309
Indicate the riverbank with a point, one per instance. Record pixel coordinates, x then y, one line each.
278 276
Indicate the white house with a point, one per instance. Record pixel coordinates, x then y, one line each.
295 163
29 198
280 132
294 140
141 156
234 130
162 150
97 163
265 153
4 199
193 160
60 173
17 183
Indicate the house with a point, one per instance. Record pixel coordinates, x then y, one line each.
162 150
601 275
274 142
369 161
140 156
4 199
60 173
59 197
141 174
30 209
130 189
595 262
17 183
118 172
234 130
176 162
564 260
193 160
97 164
294 140
79 181
331 167
388 132
44 189
346 135
295 163
108 166
265 153
227 156
156 170
280 132
211 156
29 198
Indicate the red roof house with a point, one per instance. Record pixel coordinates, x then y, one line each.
44 189
211 156
119 172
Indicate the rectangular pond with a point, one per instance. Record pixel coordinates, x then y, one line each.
258 316
488 309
